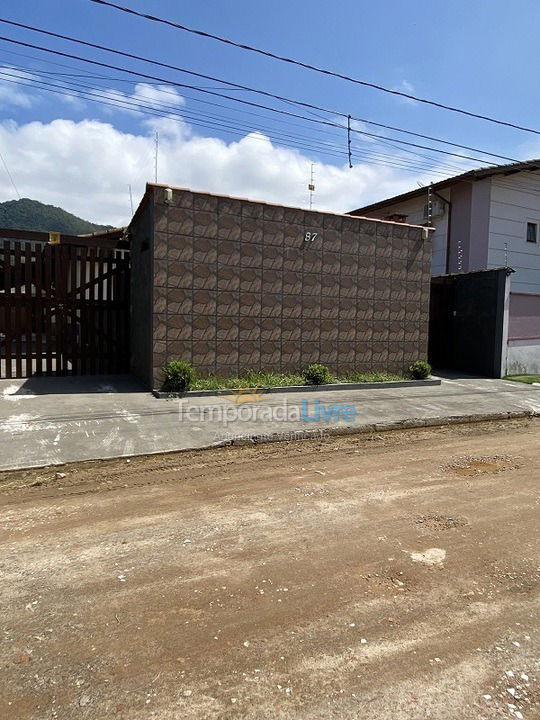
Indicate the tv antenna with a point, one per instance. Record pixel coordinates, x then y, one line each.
311 186
156 145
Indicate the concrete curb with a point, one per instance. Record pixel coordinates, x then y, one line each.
161 395
408 424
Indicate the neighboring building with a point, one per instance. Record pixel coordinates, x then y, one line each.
231 284
484 219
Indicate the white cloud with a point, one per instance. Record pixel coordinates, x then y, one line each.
18 88
154 97
11 95
157 94
85 167
406 87
11 92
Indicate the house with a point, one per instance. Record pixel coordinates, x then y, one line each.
225 283
230 284
484 219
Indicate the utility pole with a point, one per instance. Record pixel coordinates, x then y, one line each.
156 143
130 199
311 186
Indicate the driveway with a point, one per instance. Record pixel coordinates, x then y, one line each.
389 577
47 421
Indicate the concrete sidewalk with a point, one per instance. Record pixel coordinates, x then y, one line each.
48 421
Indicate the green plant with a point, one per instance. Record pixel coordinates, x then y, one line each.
316 374
252 378
368 377
420 370
179 376
529 379
271 378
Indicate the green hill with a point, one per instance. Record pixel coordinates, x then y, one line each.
28 214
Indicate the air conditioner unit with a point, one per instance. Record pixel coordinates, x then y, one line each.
437 209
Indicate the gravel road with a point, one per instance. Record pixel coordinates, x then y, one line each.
386 577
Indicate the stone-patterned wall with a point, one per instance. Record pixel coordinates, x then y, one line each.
237 286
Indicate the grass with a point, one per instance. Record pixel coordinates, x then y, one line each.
272 379
251 379
523 378
361 377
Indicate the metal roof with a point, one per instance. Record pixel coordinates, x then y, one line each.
477 174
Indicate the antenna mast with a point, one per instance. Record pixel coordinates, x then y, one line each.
156 143
311 186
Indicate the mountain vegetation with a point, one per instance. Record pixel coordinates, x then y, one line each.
26 214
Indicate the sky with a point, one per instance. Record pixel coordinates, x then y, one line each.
81 136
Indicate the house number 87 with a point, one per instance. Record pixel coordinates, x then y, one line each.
310 237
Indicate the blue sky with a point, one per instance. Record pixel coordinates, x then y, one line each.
479 56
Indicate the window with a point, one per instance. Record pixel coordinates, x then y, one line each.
532 232
396 217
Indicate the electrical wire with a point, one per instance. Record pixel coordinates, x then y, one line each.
232 109
528 190
193 113
447 165
144 109
10 176
212 92
315 68
243 87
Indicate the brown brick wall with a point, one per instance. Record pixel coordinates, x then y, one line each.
236 286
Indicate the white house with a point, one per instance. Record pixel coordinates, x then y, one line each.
486 218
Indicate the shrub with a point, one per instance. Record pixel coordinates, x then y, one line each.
316 374
179 376
420 370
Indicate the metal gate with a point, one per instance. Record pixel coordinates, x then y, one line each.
466 323
64 310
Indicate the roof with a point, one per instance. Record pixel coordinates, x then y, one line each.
112 238
110 233
478 174
459 273
150 187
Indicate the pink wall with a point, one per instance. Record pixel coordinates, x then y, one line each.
524 320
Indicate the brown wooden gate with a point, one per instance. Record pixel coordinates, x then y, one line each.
64 310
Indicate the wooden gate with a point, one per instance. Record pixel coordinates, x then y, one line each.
64 310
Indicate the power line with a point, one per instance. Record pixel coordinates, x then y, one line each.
10 176
212 92
315 68
131 102
125 103
71 83
231 85
117 99
118 103
135 101
172 92
147 110
303 144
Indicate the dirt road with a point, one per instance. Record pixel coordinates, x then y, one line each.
388 577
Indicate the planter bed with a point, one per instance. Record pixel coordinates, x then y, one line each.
302 388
